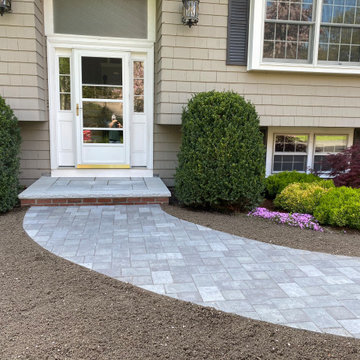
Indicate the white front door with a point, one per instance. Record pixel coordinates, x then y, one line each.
102 109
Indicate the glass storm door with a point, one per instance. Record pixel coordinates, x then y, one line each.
102 108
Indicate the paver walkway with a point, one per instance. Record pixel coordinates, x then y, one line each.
149 248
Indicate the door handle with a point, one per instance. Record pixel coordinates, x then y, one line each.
77 109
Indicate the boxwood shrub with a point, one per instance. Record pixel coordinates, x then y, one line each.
302 197
276 183
9 157
340 207
221 159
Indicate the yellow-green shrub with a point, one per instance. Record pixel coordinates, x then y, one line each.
276 183
302 197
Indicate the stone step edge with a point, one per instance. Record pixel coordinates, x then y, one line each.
94 201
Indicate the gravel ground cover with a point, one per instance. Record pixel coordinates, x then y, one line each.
53 309
332 240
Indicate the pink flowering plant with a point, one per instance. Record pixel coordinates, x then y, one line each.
303 221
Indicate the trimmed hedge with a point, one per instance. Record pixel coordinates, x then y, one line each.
9 157
340 207
221 159
276 183
302 197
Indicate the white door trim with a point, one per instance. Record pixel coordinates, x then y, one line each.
53 44
145 47
52 73
151 19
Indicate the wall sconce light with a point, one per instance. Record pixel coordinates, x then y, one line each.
5 6
190 12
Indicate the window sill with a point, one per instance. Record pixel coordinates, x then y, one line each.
304 68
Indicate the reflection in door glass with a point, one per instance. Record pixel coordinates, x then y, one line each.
102 114
102 100
64 83
138 104
101 71
102 92
138 86
103 136
138 69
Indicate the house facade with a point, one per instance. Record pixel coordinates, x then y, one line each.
99 86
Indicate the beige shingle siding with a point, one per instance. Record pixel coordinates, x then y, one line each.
22 53
23 83
35 154
166 147
194 60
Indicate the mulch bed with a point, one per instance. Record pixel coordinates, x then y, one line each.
53 309
332 240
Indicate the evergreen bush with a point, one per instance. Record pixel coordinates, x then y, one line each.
340 207
221 159
276 183
9 157
302 197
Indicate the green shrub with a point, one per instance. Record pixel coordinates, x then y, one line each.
276 183
340 207
221 160
9 157
302 197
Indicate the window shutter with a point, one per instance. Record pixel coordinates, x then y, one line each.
357 136
238 27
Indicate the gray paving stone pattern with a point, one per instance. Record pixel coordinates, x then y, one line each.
145 246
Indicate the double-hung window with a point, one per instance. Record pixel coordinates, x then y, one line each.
290 152
305 151
339 40
305 35
325 145
289 26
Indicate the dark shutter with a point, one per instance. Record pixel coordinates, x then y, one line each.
357 136
238 27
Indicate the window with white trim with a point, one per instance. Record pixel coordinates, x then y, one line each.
325 145
288 29
290 152
305 35
339 40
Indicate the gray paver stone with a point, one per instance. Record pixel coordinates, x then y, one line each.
144 246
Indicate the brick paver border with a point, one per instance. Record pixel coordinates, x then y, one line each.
94 201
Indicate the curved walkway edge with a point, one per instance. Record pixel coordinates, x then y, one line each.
151 249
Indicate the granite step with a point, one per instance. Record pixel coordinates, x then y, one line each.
68 191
